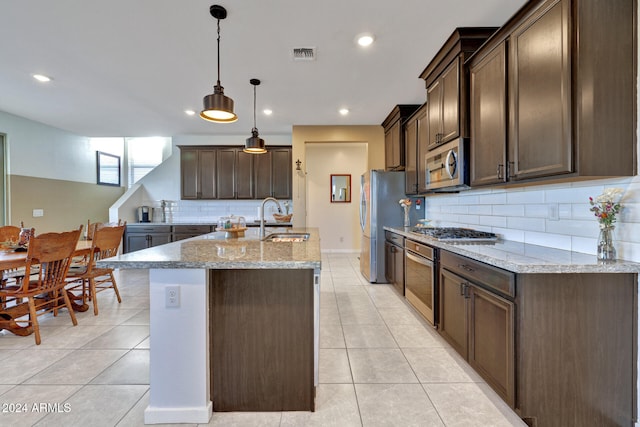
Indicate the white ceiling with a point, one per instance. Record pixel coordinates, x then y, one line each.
131 67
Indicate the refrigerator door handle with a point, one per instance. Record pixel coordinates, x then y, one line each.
363 207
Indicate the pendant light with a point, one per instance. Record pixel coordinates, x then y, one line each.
254 144
218 107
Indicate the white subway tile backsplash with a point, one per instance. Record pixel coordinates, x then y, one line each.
508 210
525 196
509 234
548 239
469 219
493 199
536 211
480 209
565 211
572 194
493 221
584 245
573 228
531 224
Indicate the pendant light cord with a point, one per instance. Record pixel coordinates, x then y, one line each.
254 106
218 52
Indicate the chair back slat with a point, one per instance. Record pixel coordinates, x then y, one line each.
52 252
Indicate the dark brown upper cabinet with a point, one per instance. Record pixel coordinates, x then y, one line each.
394 144
415 138
228 173
447 82
553 94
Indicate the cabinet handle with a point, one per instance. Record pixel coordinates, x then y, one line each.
511 167
461 289
465 267
466 290
499 171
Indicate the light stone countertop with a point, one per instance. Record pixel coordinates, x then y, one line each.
521 257
214 251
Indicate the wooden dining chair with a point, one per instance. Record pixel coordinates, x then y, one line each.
89 279
91 226
48 257
9 237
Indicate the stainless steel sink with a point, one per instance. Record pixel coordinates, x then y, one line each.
287 237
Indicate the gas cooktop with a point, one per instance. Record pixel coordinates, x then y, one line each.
456 234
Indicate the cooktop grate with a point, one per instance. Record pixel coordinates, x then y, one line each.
456 234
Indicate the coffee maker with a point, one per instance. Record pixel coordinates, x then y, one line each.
144 214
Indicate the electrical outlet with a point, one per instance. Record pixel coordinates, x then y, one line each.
553 214
172 296
38 212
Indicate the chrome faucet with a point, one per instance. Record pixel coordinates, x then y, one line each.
262 214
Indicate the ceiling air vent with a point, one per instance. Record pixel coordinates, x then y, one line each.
304 53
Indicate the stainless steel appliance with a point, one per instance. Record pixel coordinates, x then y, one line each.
447 166
144 214
380 193
420 279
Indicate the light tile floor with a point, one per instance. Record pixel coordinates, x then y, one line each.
380 365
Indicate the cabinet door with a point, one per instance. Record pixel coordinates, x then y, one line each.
450 102
491 341
244 174
281 170
411 156
423 142
398 269
453 311
389 260
206 174
540 94
156 239
393 152
434 102
135 242
489 118
262 174
226 173
189 174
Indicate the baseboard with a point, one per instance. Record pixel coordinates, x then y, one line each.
199 415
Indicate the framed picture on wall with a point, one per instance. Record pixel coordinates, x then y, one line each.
108 169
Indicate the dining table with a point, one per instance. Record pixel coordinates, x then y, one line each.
12 258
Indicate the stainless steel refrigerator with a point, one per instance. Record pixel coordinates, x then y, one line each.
380 193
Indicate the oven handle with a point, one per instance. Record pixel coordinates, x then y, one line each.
424 261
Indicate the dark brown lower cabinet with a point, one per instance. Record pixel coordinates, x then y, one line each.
262 340
394 260
561 349
480 326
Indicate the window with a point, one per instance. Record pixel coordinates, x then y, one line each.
144 154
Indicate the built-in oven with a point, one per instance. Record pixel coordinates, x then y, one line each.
447 166
420 279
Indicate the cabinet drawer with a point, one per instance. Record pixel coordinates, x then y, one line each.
394 238
483 274
148 229
192 229
424 250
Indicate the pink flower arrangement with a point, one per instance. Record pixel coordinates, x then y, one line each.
605 207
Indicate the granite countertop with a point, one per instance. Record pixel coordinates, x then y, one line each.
214 223
214 251
521 257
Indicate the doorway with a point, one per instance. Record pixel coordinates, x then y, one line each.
338 222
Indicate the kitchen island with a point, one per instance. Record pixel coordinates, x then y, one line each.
233 324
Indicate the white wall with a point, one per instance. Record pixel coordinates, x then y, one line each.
338 222
41 151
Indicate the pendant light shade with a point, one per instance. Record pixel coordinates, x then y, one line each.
218 107
254 144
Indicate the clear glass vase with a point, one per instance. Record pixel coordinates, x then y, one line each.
606 249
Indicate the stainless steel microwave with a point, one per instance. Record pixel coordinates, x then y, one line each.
447 166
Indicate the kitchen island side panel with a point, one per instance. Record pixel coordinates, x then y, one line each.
576 351
262 340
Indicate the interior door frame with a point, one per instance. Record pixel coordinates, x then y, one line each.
4 200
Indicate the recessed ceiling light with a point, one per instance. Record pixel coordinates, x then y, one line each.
41 78
189 112
365 39
267 112
344 111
